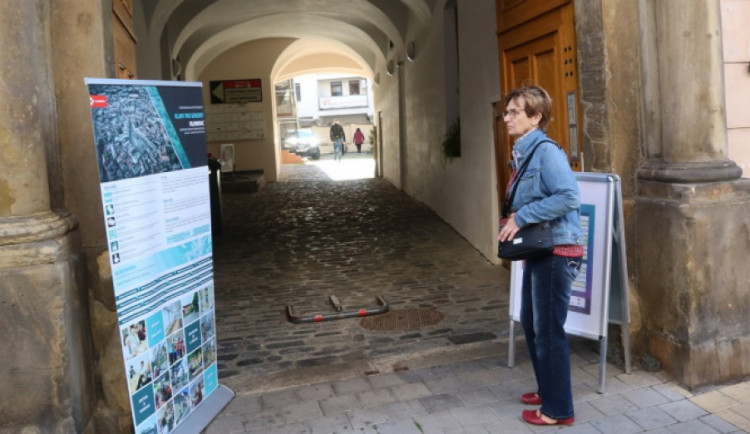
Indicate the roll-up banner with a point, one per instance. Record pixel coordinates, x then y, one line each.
150 144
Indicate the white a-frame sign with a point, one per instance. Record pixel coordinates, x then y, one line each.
600 293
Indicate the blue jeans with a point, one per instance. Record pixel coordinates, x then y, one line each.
338 149
545 297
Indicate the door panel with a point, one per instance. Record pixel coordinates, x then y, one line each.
513 13
542 52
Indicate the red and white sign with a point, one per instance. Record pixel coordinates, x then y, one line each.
236 91
98 101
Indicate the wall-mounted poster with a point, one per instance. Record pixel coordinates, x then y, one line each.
151 148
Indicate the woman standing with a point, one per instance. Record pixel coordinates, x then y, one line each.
547 191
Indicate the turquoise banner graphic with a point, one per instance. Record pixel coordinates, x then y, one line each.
151 148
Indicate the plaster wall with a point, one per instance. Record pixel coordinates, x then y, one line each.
312 63
468 200
425 118
250 60
462 191
387 107
736 50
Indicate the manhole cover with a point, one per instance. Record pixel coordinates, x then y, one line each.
402 319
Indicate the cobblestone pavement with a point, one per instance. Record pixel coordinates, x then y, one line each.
300 240
305 238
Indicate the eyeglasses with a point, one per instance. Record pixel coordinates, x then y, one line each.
512 113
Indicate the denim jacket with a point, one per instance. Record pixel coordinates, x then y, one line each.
547 190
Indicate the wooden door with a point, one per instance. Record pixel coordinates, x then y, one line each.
536 41
124 39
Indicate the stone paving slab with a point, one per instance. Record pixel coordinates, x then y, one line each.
477 409
304 238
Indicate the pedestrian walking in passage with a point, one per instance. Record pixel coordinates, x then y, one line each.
359 138
338 138
547 192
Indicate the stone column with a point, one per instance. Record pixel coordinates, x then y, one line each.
691 140
692 210
45 375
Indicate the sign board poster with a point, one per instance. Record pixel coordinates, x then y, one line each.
587 311
151 149
599 294
236 91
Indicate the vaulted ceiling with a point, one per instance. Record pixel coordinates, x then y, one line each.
188 34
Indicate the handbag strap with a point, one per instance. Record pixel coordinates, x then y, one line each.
521 170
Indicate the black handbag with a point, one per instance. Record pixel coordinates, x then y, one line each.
532 241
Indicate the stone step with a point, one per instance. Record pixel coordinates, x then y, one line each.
243 181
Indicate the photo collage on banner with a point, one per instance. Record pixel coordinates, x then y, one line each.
151 148
580 294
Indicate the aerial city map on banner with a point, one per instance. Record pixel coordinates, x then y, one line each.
150 143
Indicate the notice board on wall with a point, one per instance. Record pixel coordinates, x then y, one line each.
227 122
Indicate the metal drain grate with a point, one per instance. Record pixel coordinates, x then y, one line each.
402 319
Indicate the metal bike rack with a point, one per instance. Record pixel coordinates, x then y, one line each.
341 314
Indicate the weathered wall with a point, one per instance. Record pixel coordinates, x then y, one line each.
46 372
610 87
46 367
610 84
82 47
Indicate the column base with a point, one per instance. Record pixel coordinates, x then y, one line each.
44 308
689 172
693 241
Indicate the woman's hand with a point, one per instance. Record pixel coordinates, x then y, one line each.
509 229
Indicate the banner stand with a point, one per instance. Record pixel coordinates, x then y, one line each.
150 142
600 293
205 414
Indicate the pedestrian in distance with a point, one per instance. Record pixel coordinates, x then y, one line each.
359 138
547 192
338 138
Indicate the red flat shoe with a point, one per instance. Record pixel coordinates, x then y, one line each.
534 417
531 399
